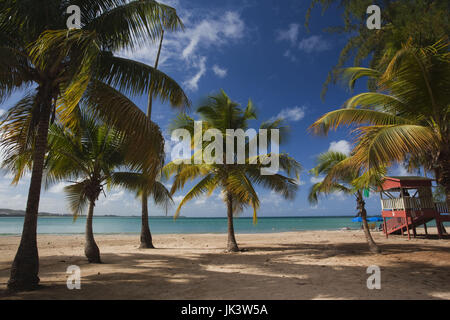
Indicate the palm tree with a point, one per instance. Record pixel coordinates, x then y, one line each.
58 65
407 117
236 181
90 156
150 187
144 185
339 177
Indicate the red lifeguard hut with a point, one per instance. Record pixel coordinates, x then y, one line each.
407 203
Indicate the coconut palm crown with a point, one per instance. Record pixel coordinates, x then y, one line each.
407 118
236 181
58 67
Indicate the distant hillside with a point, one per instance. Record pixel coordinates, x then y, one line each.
21 213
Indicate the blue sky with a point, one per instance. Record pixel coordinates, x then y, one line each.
256 49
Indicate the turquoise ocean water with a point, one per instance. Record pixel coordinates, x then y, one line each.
132 225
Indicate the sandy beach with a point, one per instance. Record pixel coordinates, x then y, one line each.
287 266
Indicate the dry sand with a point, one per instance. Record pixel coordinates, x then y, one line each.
288 266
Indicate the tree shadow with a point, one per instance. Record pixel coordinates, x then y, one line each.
282 271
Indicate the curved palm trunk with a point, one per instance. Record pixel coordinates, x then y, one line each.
363 214
146 235
232 244
25 267
91 249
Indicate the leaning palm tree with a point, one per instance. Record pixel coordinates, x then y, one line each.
407 117
38 53
340 177
236 181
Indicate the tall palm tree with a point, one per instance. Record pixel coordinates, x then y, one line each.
407 117
339 177
236 181
58 65
159 192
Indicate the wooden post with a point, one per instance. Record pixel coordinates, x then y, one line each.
439 227
407 227
426 230
385 227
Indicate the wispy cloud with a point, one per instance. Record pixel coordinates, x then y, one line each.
220 72
291 114
291 34
315 180
192 83
209 32
288 54
204 31
2 112
58 188
314 44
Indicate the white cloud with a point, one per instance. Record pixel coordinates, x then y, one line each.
273 199
401 171
116 196
314 44
292 114
178 199
339 195
2 112
192 84
290 34
201 201
58 188
214 32
220 72
315 180
342 146
181 50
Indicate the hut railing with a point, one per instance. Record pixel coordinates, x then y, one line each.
441 207
392 204
408 203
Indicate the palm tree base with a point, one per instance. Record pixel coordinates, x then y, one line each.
375 249
92 254
146 246
23 284
24 270
146 239
232 249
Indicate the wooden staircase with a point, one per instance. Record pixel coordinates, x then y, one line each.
415 219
